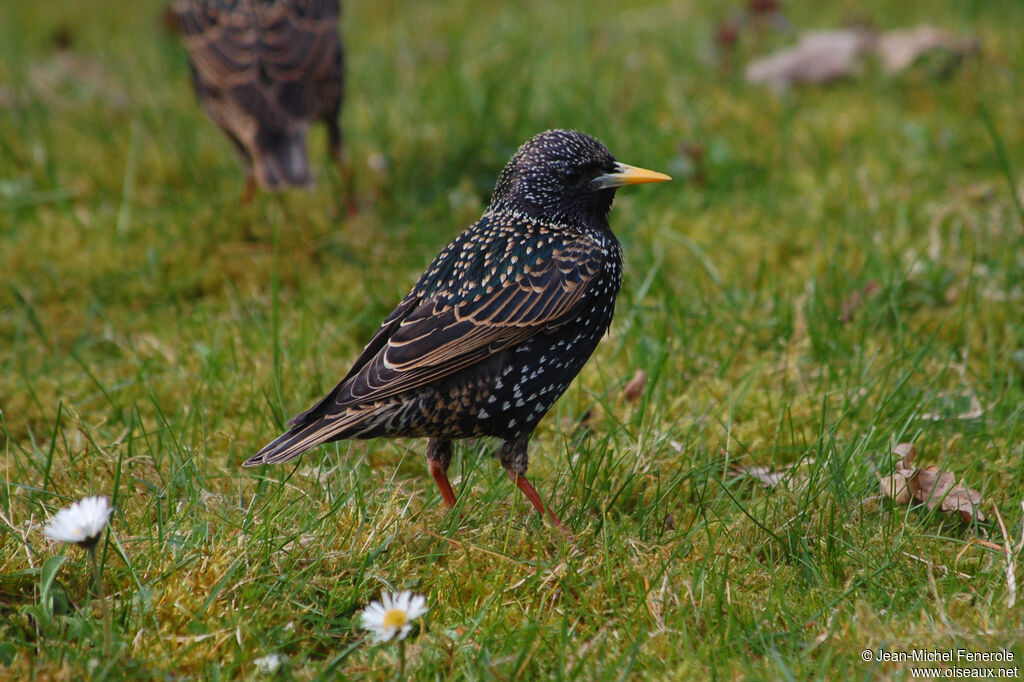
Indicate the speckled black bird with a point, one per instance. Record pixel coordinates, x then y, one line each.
264 70
499 324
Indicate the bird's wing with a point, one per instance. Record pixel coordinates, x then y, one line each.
431 340
299 40
267 56
222 42
373 346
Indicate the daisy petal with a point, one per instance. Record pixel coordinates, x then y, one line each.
81 523
393 615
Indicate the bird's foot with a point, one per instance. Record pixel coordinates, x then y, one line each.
534 497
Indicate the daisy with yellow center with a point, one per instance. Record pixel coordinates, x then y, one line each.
393 615
81 523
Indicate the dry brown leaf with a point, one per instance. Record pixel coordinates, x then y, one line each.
895 486
58 79
770 478
727 34
762 6
929 486
898 50
856 300
820 57
907 452
937 488
634 390
955 407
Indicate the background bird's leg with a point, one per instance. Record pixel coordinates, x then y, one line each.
334 141
439 456
245 163
249 191
344 165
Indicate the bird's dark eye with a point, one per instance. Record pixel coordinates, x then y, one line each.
573 175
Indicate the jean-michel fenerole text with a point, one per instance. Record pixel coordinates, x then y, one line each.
944 655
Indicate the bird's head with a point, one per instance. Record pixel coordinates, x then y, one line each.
565 177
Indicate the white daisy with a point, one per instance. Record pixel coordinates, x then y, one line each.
81 523
394 616
268 664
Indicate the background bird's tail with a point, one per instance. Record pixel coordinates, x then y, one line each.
280 160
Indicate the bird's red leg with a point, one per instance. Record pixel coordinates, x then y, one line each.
534 498
439 455
441 478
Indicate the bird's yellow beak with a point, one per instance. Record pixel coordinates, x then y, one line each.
627 175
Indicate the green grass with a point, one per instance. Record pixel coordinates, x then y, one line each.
154 333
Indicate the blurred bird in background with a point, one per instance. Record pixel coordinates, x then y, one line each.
264 70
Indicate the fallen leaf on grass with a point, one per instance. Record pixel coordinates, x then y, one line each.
895 486
727 34
937 488
899 50
856 300
929 486
763 6
634 389
820 57
770 478
906 451
959 406
68 75
689 162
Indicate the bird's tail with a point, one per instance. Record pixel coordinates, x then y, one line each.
303 436
281 160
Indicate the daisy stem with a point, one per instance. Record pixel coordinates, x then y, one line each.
401 659
97 579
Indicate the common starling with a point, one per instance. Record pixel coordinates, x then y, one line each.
263 71
498 325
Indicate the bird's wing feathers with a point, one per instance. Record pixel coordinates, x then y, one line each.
299 40
539 299
373 346
432 340
222 44
251 49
